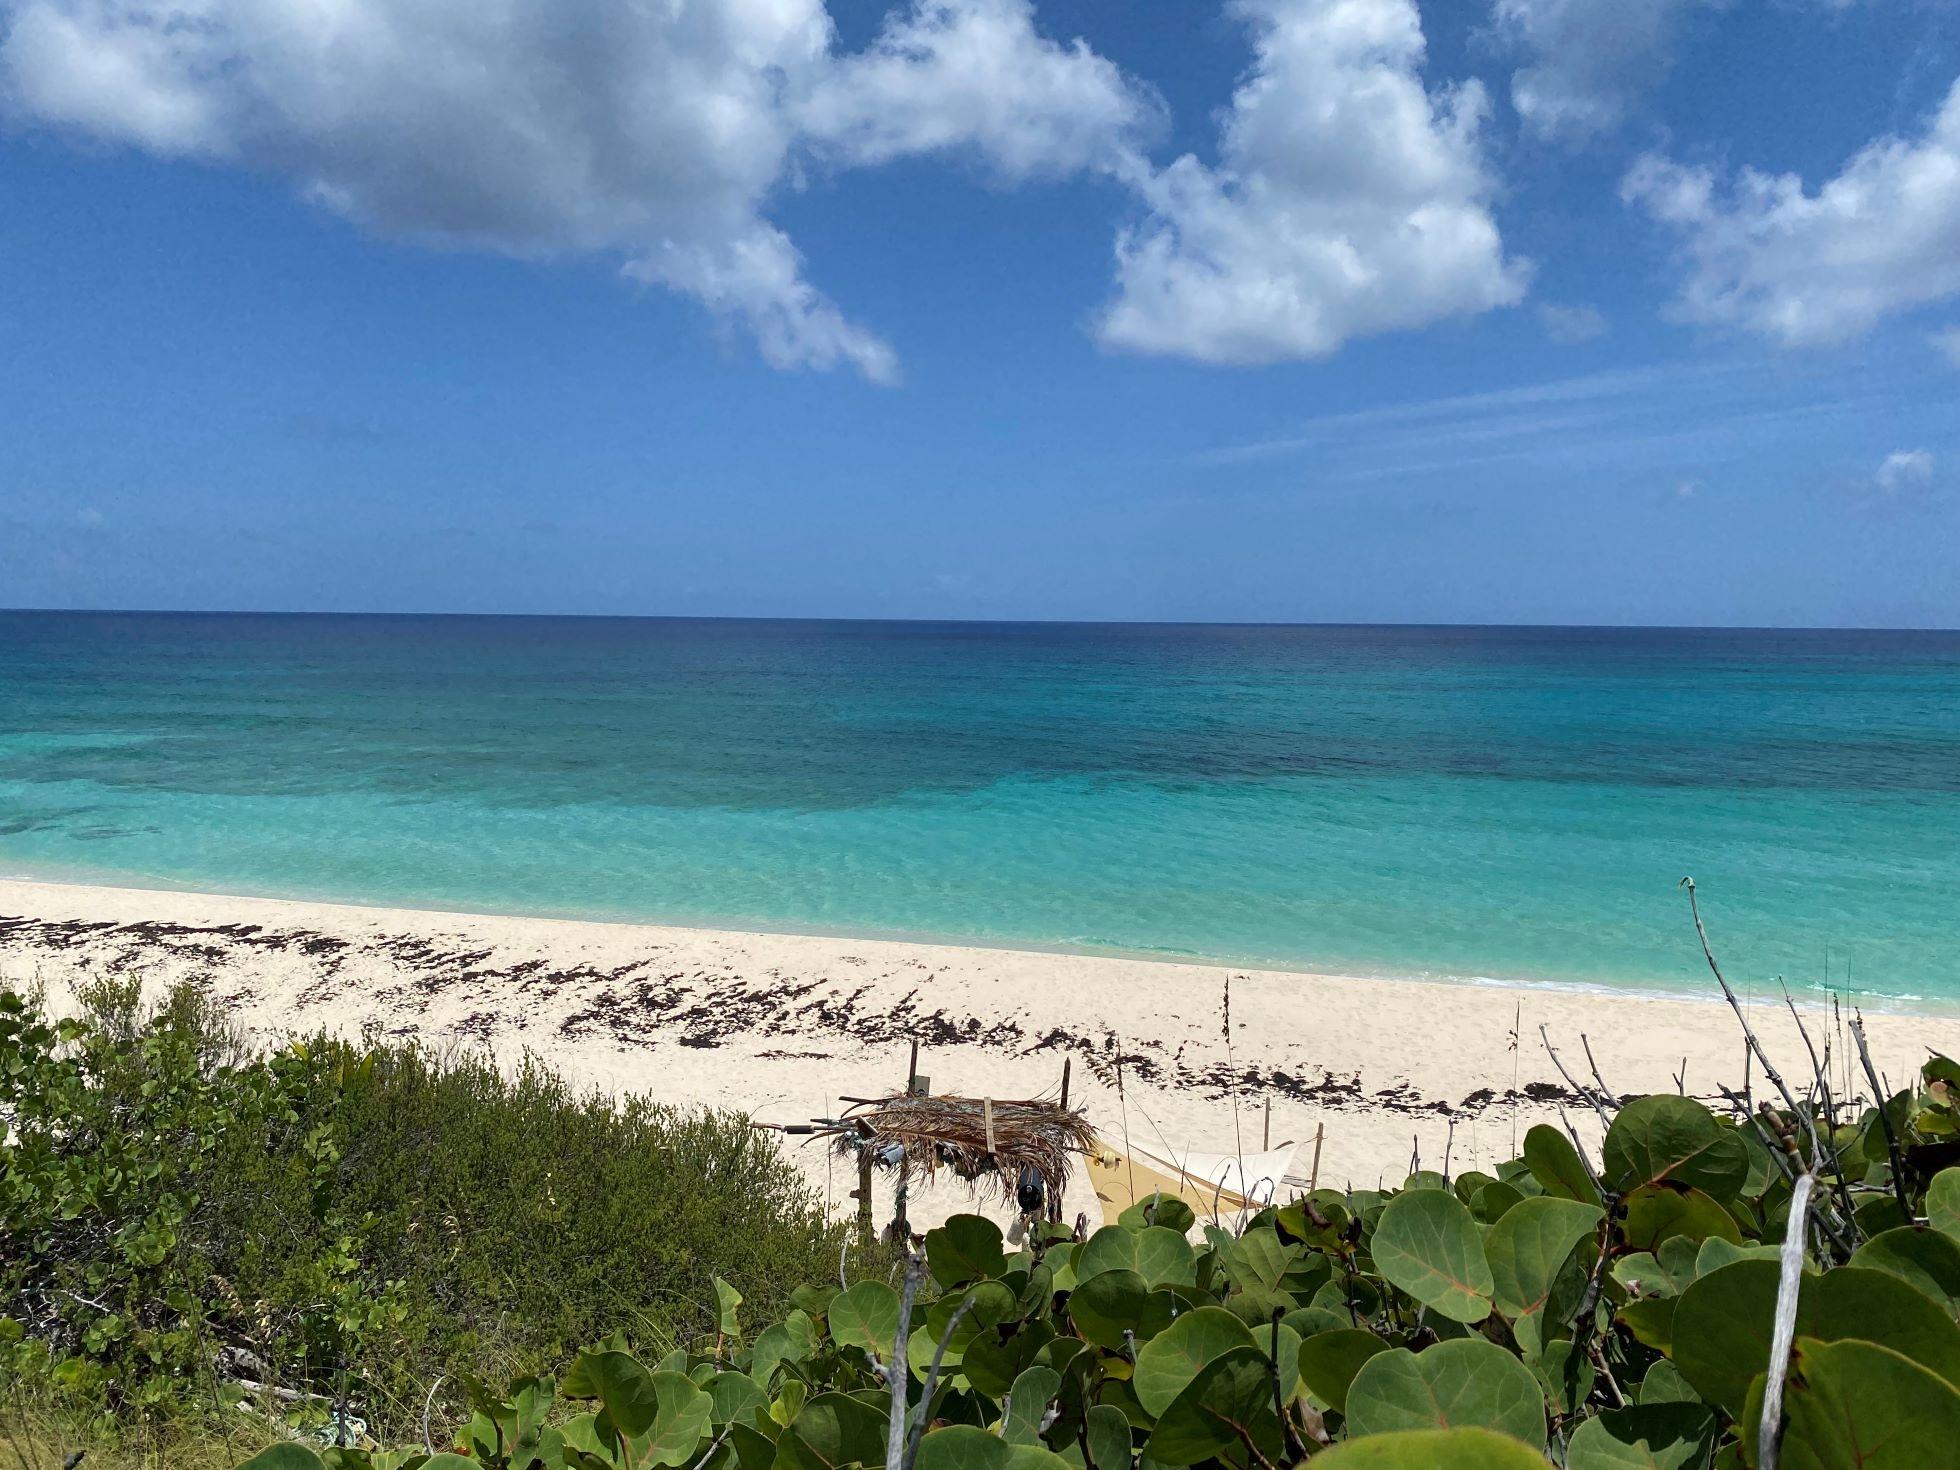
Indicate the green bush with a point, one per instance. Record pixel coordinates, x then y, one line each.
349 1227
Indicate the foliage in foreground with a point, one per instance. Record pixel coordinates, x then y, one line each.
182 1221
1608 1314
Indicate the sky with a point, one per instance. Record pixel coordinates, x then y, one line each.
1506 311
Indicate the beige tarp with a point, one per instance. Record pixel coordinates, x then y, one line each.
1201 1180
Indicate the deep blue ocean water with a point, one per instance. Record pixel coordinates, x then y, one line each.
1515 804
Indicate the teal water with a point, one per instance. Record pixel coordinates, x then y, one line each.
1509 804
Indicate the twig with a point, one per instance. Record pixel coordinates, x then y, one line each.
1884 1118
1789 1287
932 1383
1610 1095
1572 1082
428 1408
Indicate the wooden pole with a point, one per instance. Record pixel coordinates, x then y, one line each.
987 1112
1067 1062
912 1071
1266 1138
867 1227
1313 1179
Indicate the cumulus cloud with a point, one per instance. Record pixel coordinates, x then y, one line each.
1815 269
1571 325
1347 200
1904 470
1587 61
655 133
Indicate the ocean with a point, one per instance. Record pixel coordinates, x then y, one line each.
1509 805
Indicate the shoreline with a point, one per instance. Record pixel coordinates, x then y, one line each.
1808 992
782 1026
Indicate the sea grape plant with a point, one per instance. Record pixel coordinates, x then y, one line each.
1599 1313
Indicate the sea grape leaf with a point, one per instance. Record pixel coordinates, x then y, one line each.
1556 1165
287 1456
727 1299
1166 1210
1673 1436
962 1447
1427 1244
1169 1361
1469 1382
966 1248
1665 1385
993 1303
1943 1202
1859 1406
1651 1321
1107 1433
1432 1449
1722 1324
866 1317
1927 1258
1663 1137
733 1394
1027 1404
1715 1253
789 1341
1229 1402
1107 1304
833 1429
1329 1361
1258 1260
1161 1256
1527 1250
680 1416
1660 1212
1495 1200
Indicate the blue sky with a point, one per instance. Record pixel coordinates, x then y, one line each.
1505 310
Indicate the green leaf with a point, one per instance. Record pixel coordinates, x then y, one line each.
625 1389
1258 1260
789 1341
284 1457
1660 1212
734 1394
1027 1404
1943 1202
1432 1449
1166 1210
1161 1256
1329 1361
1664 1137
1556 1165
1859 1406
1665 1385
966 1248
993 1303
1108 1434
1167 1363
832 1429
1927 1258
1427 1244
1465 1383
865 1317
1651 1321
1229 1402
1527 1250
1645 1437
962 1447
1495 1200
727 1299
1722 1324
1107 1304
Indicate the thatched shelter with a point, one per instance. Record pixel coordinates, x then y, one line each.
988 1142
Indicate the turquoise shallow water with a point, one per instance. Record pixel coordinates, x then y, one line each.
1513 804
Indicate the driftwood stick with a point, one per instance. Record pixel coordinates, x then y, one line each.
1608 1093
1784 1331
895 1371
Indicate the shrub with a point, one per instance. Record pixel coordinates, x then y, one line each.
339 1225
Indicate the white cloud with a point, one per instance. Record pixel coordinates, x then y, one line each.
1806 269
1571 324
1947 343
1347 201
90 517
1687 490
973 74
654 133
1588 60
1903 470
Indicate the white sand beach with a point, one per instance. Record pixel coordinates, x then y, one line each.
781 1026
